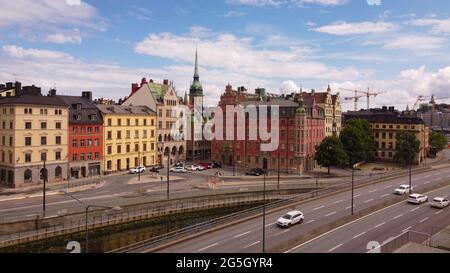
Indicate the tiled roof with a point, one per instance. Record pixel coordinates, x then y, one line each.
88 110
129 110
383 116
33 100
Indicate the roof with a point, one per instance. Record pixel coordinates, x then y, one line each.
88 109
383 116
129 110
158 90
33 100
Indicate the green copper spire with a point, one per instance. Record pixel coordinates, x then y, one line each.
196 87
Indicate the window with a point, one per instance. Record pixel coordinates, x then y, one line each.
28 125
11 125
144 133
119 122
27 141
152 133
28 176
97 142
109 150
27 157
43 125
128 122
144 148
119 134
75 130
58 140
43 140
3 140
119 149
152 145
109 122
109 164
43 156
145 122
10 141
109 135
75 157
136 133
128 148
136 122
128 134
89 142
89 156
4 125
58 125
97 155
89 130
57 155
97 129
58 172
74 143
82 144
82 157
152 122
136 147
83 129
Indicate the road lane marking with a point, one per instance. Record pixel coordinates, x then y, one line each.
424 219
377 226
310 221
359 235
438 212
407 229
334 248
255 243
321 207
367 201
279 233
427 182
329 214
373 191
358 195
213 245
398 216
384 195
388 240
349 207
388 187
268 225
354 221
243 234
337 202
415 209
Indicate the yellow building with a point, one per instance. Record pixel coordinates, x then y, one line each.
129 138
33 129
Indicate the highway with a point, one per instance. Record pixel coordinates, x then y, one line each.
246 237
381 226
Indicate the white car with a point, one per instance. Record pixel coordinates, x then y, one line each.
178 170
136 170
402 189
416 198
291 218
439 202
195 168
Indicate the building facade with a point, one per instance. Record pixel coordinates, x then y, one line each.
198 148
129 138
85 136
301 128
386 123
34 131
9 89
163 99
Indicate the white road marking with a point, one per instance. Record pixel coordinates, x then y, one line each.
438 212
388 240
388 187
334 248
427 182
268 225
213 245
279 233
398 216
321 207
349 207
359 235
424 219
240 235
337 202
310 221
377 226
373 191
415 209
407 229
358 195
329 214
367 201
384 195
255 243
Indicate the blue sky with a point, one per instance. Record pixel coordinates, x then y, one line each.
400 47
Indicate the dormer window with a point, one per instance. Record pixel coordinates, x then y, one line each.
78 117
93 117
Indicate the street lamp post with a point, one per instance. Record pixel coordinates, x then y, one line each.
45 174
87 207
139 167
168 175
353 182
264 202
278 163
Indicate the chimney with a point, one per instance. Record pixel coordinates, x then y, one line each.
143 81
384 108
166 82
31 90
18 87
2 87
391 108
9 85
87 95
134 88
52 92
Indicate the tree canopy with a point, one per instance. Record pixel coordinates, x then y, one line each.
408 146
331 152
438 142
357 140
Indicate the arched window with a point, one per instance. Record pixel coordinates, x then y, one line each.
160 138
58 172
28 176
43 174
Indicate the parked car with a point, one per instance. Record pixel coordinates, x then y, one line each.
217 164
205 165
179 164
136 170
195 168
439 202
178 170
253 173
402 189
291 218
416 198
156 168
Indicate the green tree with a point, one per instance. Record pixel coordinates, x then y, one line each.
438 142
358 141
408 146
330 152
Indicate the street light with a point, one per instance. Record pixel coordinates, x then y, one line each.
45 180
87 207
264 202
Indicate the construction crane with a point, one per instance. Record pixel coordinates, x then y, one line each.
419 99
366 94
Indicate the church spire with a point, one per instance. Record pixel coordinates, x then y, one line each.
196 74
196 86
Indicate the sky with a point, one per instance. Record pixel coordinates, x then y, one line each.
399 48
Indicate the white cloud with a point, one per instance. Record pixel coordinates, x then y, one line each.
21 53
419 43
289 87
438 26
344 29
276 3
321 2
65 38
231 14
256 2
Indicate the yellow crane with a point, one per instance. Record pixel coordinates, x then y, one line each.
359 94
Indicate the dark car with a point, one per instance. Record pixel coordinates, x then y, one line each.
156 168
217 164
252 172
259 170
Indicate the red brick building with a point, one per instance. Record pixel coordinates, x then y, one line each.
301 128
85 136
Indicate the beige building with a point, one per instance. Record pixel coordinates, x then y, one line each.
129 137
332 109
386 123
33 129
163 98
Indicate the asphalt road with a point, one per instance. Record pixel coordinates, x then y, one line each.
246 237
381 226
